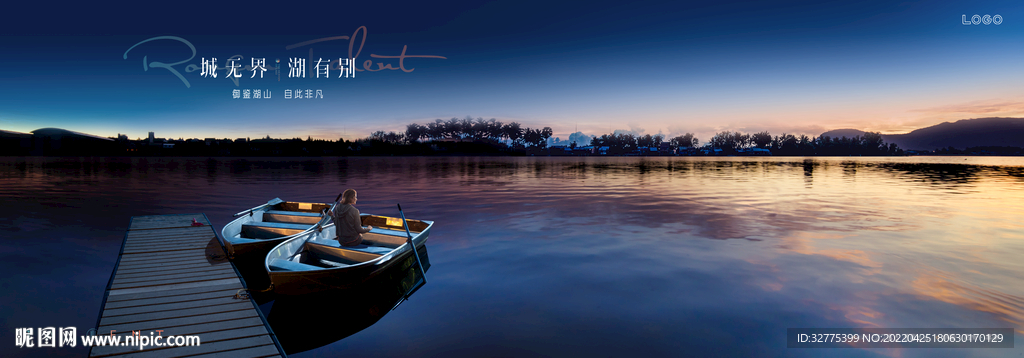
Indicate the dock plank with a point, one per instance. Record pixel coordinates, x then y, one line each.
172 277
207 327
141 259
158 248
198 256
156 307
174 322
167 238
185 224
174 271
142 301
169 265
155 233
170 238
166 253
153 259
175 266
176 240
135 282
166 221
160 255
180 286
179 292
171 314
170 274
187 242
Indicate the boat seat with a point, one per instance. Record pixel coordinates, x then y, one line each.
291 217
293 213
385 238
242 240
333 264
377 250
285 265
271 230
390 232
274 225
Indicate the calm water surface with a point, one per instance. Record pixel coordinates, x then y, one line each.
578 256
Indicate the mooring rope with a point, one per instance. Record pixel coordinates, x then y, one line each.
243 293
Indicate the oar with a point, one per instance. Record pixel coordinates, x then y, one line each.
275 201
323 214
319 226
423 273
409 241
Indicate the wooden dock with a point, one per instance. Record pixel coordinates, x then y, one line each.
174 277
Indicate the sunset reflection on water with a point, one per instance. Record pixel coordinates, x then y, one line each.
596 256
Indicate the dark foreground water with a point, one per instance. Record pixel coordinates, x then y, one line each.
584 257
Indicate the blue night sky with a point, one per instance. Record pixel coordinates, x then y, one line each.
669 67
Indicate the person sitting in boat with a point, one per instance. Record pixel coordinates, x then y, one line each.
347 226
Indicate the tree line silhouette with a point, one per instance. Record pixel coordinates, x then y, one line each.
469 136
512 136
870 143
468 129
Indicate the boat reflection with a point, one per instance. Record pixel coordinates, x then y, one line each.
314 320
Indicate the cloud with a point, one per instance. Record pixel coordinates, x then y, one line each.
634 129
580 138
982 107
925 117
778 129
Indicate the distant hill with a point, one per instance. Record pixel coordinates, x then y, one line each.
11 134
1004 132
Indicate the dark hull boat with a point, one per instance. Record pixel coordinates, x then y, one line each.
314 261
357 308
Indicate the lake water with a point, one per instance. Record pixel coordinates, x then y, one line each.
577 256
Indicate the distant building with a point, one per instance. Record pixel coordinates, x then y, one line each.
559 150
759 151
585 150
151 138
56 141
686 151
712 151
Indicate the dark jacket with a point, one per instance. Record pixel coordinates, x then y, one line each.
347 225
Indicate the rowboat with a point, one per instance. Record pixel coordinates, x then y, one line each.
249 237
314 261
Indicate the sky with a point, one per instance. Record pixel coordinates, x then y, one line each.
598 66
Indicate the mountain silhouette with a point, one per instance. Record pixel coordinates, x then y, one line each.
979 132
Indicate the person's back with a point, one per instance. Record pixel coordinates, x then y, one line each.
347 224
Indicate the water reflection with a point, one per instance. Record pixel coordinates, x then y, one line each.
306 322
578 256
